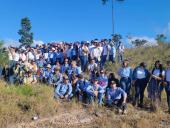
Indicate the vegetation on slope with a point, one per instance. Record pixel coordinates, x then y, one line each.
21 103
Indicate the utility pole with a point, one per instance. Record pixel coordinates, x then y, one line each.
113 17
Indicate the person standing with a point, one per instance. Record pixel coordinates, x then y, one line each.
120 52
125 73
140 79
154 84
104 54
167 84
112 53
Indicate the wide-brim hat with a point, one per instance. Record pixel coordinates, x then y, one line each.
48 66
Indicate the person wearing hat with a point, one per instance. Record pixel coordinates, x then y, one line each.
92 65
103 79
47 74
64 89
141 77
105 52
56 77
30 79
83 55
81 86
115 96
95 91
74 68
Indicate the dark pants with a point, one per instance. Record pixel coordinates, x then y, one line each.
82 97
103 61
118 103
84 62
126 84
167 89
161 88
120 57
140 86
112 58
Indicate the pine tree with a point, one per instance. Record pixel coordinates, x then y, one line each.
24 32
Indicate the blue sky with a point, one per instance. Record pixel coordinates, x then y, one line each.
72 20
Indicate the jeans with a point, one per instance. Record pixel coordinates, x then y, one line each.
117 103
112 58
103 61
58 97
125 84
140 86
167 89
120 57
84 62
11 79
91 98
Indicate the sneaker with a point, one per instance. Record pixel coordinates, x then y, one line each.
140 105
120 111
124 112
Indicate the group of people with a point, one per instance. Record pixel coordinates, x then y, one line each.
77 71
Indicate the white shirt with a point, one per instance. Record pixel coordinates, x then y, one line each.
141 73
16 57
30 56
121 49
46 55
23 57
97 52
157 72
10 56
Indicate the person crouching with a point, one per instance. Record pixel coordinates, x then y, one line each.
95 91
116 97
64 89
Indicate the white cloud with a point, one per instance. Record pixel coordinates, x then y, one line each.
38 42
150 41
11 42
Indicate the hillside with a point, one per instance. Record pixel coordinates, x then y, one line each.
18 105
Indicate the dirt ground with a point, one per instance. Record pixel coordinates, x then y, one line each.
96 117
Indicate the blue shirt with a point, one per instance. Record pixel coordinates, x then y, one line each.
64 68
113 51
56 78
125 72
63 89
103 81
47 74
115 94
91 88
140 73
82 85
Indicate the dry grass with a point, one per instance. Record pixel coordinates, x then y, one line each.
20 103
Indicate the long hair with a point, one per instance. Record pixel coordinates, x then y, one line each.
160 68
